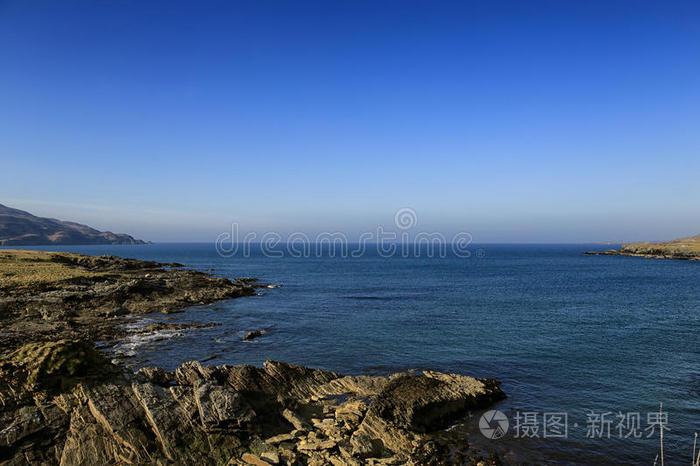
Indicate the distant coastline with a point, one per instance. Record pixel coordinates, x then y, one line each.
679 249
20 228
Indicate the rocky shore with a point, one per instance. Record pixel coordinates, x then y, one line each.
48 296
63 402
680 249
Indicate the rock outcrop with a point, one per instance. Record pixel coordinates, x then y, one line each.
252 335
46 296
63 403
681 249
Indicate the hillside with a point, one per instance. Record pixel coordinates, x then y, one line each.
20 228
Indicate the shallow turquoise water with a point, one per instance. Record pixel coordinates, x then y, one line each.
563 332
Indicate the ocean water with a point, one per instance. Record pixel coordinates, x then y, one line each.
601 339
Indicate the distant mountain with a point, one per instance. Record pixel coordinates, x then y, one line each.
20 228
682 248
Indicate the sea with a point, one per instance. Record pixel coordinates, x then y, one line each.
596 354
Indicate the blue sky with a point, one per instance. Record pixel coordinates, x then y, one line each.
516 121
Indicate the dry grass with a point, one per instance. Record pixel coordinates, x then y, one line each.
683 248
30 268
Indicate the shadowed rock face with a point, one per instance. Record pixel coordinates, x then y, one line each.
280 413
20 228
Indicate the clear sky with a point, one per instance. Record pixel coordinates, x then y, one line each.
516 121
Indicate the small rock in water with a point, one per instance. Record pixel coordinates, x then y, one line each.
252 335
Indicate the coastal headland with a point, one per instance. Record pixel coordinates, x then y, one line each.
681 249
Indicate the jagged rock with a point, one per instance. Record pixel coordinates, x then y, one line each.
365 445
220 414
293 419
115 409
271 457
423 403
221 407
410 405
351 412
155 374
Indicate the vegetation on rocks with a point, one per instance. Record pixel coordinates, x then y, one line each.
48 296
682 249
52 365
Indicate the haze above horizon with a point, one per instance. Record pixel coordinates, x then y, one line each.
517 122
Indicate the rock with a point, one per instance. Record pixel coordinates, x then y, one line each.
424 403
279 439
254 460
155 374
160 326
28 421
220 414
316 445
410 405
221 407
351 412
293 419
253 335
270 456
365 445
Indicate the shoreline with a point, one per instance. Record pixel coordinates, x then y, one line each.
48 296
63 402
659 255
